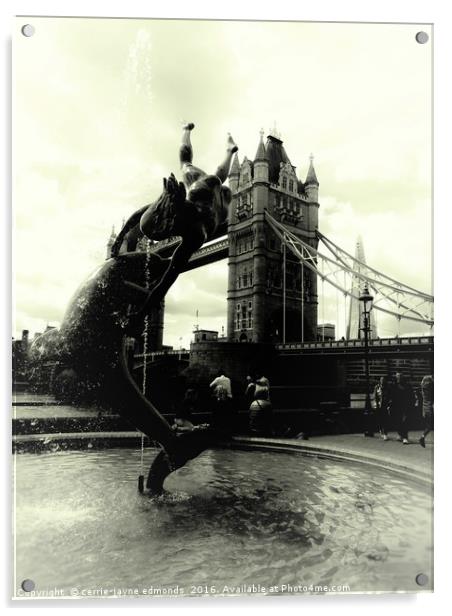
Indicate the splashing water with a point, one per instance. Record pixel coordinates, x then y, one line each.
138 74
147 278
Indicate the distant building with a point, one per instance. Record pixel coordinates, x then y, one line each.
355 316
20 357
205 335
326 332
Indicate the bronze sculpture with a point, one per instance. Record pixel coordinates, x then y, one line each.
96 326
193 209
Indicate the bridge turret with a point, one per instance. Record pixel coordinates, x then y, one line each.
234 174
261 161
311 184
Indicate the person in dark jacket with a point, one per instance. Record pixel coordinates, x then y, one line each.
427 406
402 405
382 395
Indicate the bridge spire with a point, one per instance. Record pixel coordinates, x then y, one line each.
234 174
261 154
311 178
274 132
235 166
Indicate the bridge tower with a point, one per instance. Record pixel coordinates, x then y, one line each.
266 303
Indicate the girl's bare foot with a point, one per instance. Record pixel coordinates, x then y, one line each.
231 145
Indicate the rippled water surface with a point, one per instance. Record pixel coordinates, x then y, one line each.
232 518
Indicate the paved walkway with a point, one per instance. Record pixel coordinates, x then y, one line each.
411 459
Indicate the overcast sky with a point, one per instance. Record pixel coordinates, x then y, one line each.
98 109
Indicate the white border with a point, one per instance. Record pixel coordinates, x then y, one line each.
415 11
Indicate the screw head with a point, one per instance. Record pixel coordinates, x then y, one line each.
422 37
28 30
421 579
28 585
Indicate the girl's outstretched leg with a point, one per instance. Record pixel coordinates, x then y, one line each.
186 150
223 170
190 173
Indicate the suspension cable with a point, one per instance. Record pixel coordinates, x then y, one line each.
385 290
323 306
302 301
284 288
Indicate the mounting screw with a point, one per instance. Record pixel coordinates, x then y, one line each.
28 585
421 579
28 30
422 37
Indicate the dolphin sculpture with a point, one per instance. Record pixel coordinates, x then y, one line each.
93 339
112 304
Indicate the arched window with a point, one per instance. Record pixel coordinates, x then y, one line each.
244 317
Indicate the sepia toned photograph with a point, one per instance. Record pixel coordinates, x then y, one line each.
223 325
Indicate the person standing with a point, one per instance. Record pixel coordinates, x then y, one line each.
260 422
222 393
427 406
382 400
249 390
401 405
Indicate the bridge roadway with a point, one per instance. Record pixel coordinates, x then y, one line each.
410 344
209 253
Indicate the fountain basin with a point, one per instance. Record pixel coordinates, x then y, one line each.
232 519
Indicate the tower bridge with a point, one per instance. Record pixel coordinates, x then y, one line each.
279 261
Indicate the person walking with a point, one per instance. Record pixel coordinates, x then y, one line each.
427 406
401 405
382 399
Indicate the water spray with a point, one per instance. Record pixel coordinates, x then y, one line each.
145 351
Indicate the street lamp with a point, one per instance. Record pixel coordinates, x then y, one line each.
367 299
